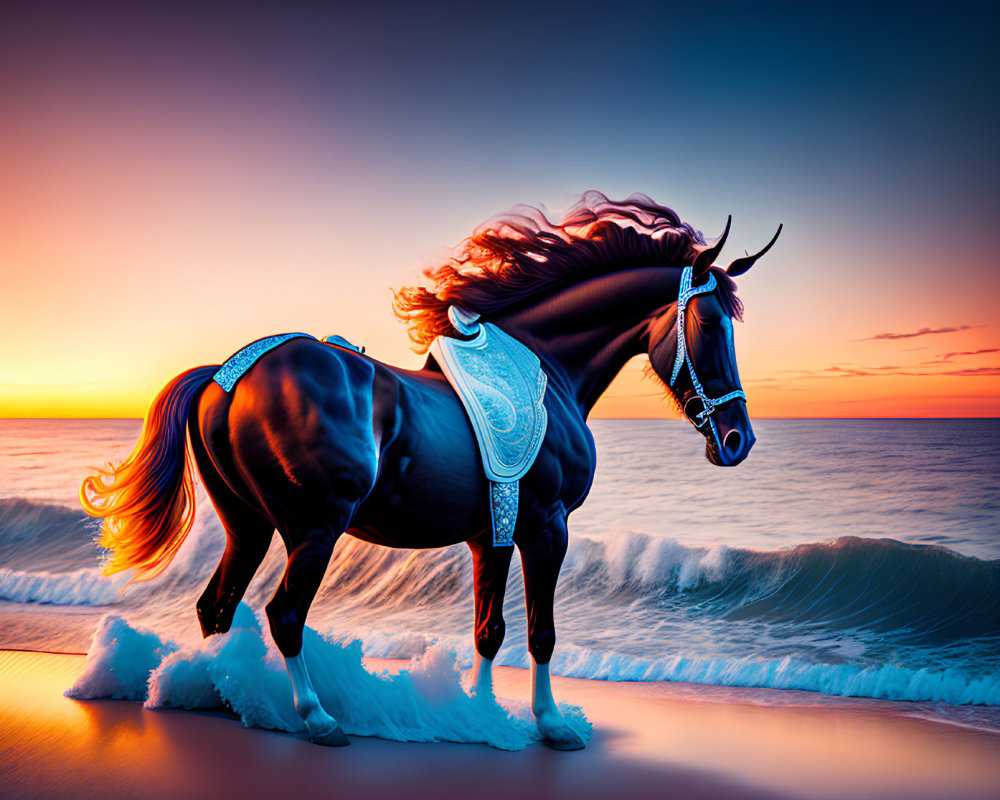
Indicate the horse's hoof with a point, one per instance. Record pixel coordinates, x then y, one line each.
568 742
335 737
556 733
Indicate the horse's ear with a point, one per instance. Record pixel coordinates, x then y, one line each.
705 258
741 265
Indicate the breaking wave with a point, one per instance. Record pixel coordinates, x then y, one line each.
878 584
82 587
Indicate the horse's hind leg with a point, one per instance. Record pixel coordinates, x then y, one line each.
490 567
246 545
309 552
541 558
248 536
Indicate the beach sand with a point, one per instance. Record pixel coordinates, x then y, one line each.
651 740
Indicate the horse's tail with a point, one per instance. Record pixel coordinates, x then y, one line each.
148 500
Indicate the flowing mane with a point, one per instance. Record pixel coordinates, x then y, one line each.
522 254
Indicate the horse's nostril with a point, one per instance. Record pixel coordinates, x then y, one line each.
733 442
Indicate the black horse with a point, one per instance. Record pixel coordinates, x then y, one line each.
318 440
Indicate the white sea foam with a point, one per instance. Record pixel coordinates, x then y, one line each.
424 702
638 560
119 662
887 681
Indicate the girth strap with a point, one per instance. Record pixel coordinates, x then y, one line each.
684 294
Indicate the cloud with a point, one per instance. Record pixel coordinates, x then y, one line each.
913 334
976 372
847 371
945 358
866 371
854 372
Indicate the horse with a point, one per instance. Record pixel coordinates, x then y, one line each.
317 440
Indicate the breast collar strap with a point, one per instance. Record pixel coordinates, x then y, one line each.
684 294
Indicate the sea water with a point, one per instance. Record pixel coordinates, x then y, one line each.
848 557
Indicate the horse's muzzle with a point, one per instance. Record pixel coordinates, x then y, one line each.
736 435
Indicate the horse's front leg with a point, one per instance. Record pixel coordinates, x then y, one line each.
541 558
490 566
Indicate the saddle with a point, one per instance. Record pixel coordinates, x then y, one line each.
502 386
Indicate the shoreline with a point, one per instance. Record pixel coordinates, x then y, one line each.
650 740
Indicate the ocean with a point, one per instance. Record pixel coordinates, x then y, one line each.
856 558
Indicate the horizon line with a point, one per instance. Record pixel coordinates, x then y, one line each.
591 419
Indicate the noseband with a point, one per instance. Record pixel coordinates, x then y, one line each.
686 292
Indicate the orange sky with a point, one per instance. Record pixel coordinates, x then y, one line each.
161 206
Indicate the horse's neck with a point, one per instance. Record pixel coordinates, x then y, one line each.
587 332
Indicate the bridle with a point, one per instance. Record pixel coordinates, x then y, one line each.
684 294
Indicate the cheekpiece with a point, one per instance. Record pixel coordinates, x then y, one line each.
502 387
709 404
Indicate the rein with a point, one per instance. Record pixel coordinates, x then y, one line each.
686 292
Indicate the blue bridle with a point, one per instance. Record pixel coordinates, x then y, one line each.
684 294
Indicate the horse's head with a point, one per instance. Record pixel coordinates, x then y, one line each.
691 350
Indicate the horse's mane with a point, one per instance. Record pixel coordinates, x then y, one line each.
521 254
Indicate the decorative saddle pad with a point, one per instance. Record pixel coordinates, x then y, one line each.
502 386
238 363
231 371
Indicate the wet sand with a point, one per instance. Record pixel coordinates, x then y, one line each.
651 740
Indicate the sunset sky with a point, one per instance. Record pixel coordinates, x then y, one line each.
175 184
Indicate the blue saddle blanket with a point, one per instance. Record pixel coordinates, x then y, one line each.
238 363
